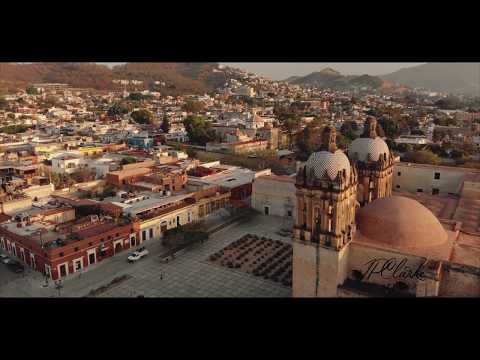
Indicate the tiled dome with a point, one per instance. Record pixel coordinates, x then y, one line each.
364 146
332 163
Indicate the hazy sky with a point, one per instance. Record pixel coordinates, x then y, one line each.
280 71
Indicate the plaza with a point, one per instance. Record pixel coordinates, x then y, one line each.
190 274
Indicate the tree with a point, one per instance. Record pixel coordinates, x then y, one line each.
142 117
192 153
422 157
3 103
117 109
404 148
390 127
309 140
165 125
343 142
199 130
136 96
31 90
14 129
128 160
445 121
349 129
438 135
417 132
193 106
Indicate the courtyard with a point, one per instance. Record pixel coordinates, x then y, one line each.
190 274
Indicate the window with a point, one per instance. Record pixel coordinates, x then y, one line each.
76 249
90 244
289 213
437 176
357 275
399 173
151 233
435 191
117 234
144 235
398 186
61 254
420 190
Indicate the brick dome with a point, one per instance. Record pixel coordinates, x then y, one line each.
326 161
362 147
401 223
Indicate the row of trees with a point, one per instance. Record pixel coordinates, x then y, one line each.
14 129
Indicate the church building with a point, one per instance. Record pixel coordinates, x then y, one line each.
353 238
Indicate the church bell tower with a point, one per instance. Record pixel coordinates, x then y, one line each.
325 223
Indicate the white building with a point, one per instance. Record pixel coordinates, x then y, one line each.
412 139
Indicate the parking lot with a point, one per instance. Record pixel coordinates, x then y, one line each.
189 275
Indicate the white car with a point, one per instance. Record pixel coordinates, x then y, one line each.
137 255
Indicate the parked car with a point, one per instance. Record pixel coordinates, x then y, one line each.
5 259
137 255
16 267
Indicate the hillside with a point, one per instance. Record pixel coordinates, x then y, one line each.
443 77
329 78
179 77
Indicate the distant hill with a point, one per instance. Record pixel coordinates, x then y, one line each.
179 77
443 77
332 79
291 79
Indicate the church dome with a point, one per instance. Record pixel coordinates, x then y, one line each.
360 149
401 223
326 161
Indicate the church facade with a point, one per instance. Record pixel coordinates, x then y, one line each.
352 238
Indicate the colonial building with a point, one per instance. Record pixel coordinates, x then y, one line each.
393 246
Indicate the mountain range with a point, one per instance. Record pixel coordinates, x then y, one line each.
332 79
444 77
179 77
455 78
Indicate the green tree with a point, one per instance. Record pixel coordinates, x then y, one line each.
117 109
142 117
128 160
3 103
422 157
343 142
199 130
31 90
390 127
349 129
14 129
136 96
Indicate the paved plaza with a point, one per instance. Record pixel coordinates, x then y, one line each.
190 274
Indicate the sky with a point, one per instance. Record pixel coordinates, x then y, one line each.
281 71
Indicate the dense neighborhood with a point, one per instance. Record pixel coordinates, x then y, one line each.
90 174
